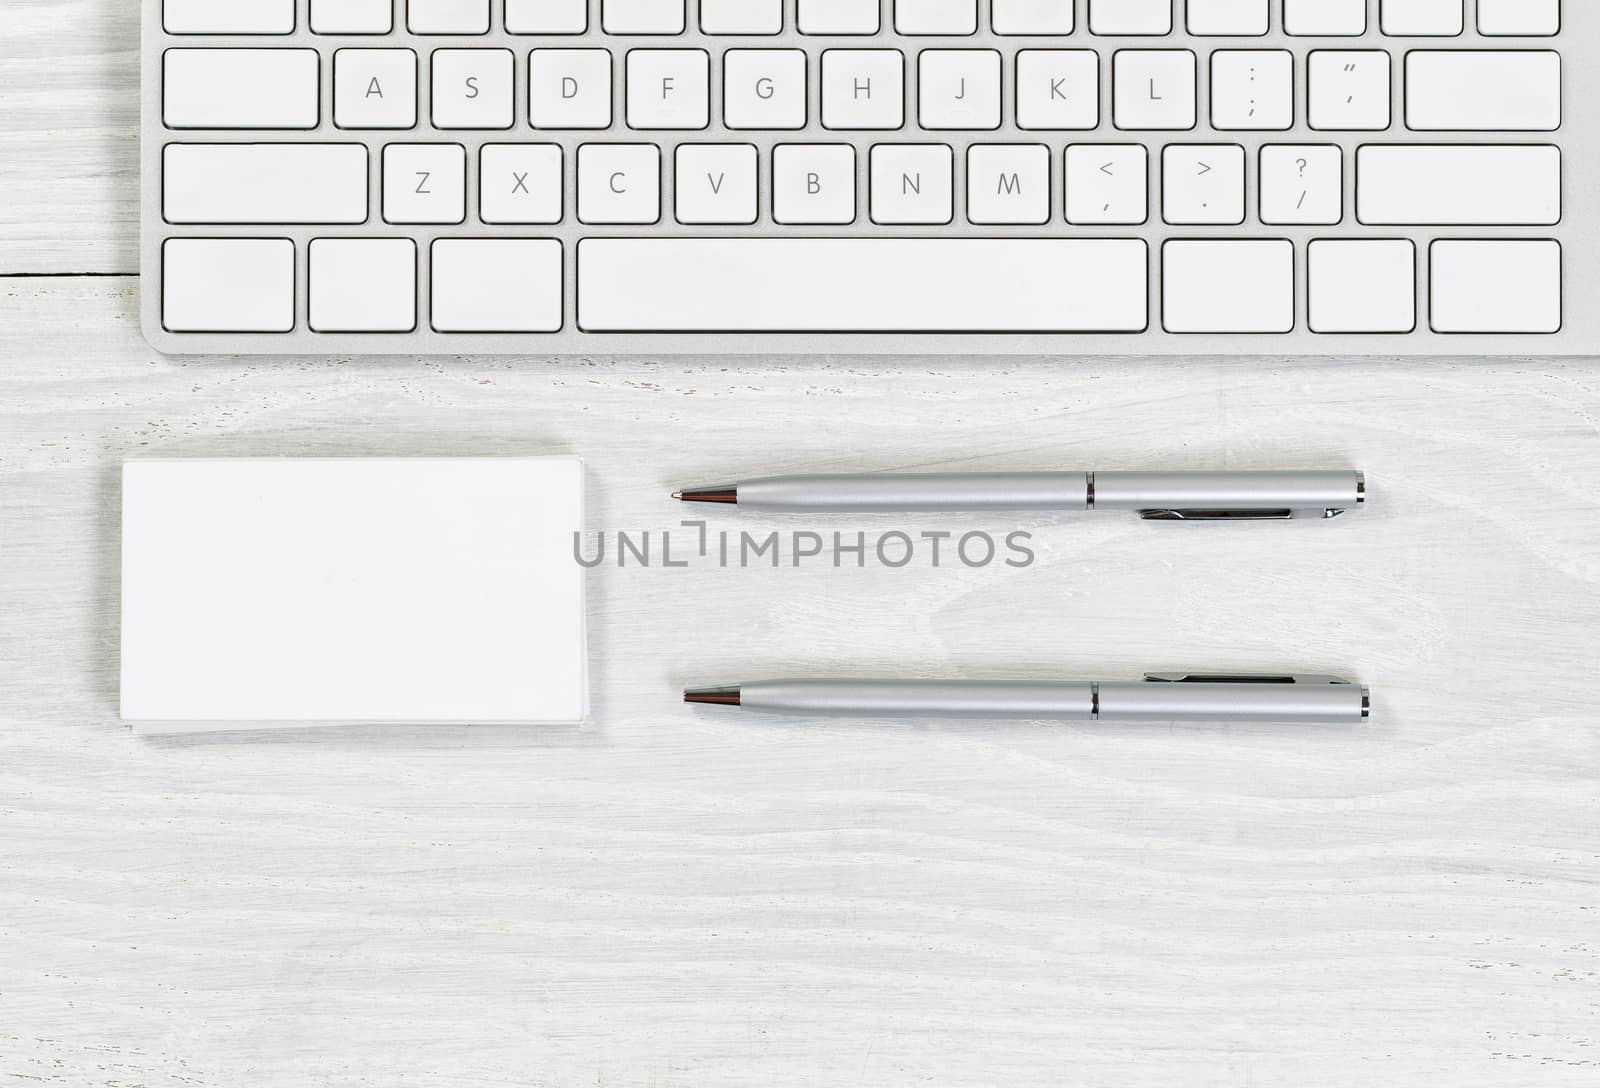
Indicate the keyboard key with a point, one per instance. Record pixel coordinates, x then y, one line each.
1326 18
764 89
936 16
374 88
238 17
1362 286
912 183
863 88
838 16
1496 286
1202 183
424 183
264 183
642 16
619 183
1302 184
547 16
1008 183
1107 183
741 16
1458 185
862 284
496 285
447 16
1423 18
669 89
1481 91
1227 286
1058 89
352 16
1534 18
958 89
814 183
363 284
240 88
1032 16
1130 17
569 88
1252 89
1239 18
520 183
1153 89
716 183
473 88
227 285
1349 91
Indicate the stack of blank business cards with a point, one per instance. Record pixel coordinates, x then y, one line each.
295 591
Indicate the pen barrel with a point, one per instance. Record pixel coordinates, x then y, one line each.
1210 702
1238 491
914 493
1060 701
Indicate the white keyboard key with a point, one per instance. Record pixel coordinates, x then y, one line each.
912 183
1032 16
1302 184
1238 18
814 183
642 16
862 284
1202 183
863 88
1252 89
936 16
958 89
473 88
238 17
669 89
447 16
363 284
1153 89
240 88
1113 17
838 16
496 285
1481 91
764 88
1325 18
1058 89
1362 285
264 183
374 88
1495 286
227 285
1349 91
569 88
1227 286
619 183
547 16
1465 185
1423 18
716 183
352 16
424 183
520 183
1008 183
1107 183
1532 18
741 16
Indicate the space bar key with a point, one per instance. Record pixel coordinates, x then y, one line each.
862 285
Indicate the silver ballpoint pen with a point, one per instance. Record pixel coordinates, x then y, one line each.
1156 496
1169 697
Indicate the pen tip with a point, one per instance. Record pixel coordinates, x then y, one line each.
728 495
678 495
713 696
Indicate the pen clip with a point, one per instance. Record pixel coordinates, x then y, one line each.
1242 678
1285 514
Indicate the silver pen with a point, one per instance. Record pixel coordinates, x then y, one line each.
1156 496
1166 697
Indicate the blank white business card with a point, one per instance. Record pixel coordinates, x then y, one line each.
301 590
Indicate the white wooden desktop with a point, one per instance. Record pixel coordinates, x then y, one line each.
670 898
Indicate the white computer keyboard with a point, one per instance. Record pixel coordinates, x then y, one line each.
906 176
